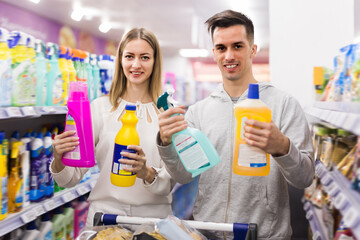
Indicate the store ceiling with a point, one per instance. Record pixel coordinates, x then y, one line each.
177 24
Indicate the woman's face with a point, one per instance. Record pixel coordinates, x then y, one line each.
137 61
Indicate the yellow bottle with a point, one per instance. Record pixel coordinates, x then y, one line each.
127 135
249 160
65 74
4 178
15 183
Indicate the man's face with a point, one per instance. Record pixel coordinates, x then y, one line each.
233 52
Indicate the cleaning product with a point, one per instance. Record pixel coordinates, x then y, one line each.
96 92
106 72
15 182
58 221
65 73
76 55
195 150
78 119
31 232
37 169
3 176
25 166
70 65
127 135
69 221
80 214
46 227
41 70
249 160
21 69
89 75
54 84
32 69
5 69
48 178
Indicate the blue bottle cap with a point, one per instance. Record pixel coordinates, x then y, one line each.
45 217
31 225
253 91
130 107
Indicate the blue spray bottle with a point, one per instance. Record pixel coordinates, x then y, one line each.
195 151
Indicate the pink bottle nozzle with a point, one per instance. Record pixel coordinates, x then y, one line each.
78 91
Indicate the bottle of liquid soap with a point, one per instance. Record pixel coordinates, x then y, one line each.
3 176
249 160
5 69
195 150
78 119
15 182
127 135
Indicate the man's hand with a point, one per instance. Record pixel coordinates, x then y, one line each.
267 137
169 124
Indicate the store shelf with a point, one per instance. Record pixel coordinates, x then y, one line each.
316 225
30 111
345 115
346 200
16 220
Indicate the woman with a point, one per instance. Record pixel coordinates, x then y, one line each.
137 80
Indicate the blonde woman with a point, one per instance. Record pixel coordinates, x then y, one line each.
137 81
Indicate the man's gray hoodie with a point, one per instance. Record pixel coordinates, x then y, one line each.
226 197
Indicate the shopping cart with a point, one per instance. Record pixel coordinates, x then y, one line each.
241 231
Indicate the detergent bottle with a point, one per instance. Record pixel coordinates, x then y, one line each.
5 69
41 70
249 160
78 119
48 178
70 65
3 176
54 93
32 69
25 166
106 73
96 77
22 83
89 75
65 73
195 150
15 182
37 169
127 135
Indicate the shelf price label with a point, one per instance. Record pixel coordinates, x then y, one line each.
39 210
28 216
13 112
82 190
92 184
50 205
28 111
67 197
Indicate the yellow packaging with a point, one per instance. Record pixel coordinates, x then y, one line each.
249 160
126 136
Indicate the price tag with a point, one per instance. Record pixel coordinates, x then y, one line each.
316 236
340 201
28 216
319 170
92 184
3 113
326 179
351 218
49 109
13 112
28 111
67 197
309 215
49 205
39 210
82 190
333 189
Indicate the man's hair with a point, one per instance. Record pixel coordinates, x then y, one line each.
229 18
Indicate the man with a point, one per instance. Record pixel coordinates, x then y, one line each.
222 195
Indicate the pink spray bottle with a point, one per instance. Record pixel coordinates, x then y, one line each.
78 119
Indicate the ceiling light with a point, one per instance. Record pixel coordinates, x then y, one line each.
194 53
77 14
105 27
35 1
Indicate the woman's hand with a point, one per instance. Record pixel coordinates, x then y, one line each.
63 143
137 164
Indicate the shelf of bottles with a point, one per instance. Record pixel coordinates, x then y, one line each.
31 212
342 114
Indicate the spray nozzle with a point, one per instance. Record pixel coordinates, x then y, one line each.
166 100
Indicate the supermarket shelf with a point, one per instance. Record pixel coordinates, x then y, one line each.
316 224
341 114
30 111
30 213
346 200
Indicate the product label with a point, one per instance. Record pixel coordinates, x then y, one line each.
4 196
23 84
106 78
37 174
117 167
48 236
70 231
60 235
71 126
5 82
19 196
58 91
250 156
191 153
